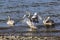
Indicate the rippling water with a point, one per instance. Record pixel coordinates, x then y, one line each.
17 8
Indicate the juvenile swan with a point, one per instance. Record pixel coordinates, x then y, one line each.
10 22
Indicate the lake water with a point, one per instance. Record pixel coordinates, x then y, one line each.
17 8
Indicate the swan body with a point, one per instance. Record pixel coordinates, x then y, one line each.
10 22
29 22
48 22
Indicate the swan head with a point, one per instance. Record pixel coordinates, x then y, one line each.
24 16
35 13
48 17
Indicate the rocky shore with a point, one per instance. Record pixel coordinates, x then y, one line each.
27 38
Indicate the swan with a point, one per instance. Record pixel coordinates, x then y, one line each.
28 21
34 18
48 22
10 22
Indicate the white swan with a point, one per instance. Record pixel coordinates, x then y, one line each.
27 20
10 22
48 22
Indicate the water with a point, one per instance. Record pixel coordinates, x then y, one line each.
17 8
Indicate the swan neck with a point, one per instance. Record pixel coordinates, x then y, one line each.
9 18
